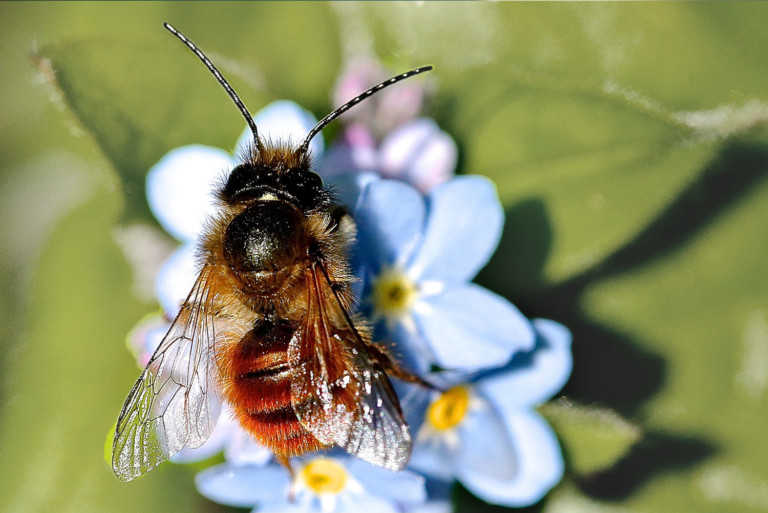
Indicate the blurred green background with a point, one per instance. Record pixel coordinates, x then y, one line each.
630 147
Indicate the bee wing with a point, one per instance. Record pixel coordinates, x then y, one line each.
340 391
174 403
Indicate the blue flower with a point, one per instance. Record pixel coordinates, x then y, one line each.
319 484
483 430
417 255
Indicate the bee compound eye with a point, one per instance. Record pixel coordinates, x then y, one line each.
240 178
267 236
306 187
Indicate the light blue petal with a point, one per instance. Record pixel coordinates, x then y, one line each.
434 458
469 327
338 160
242 449
414 400
420 153
348 189
464 222
544 374
539 465
439 490
348 503
282 120
404 487
181 185
390 220
154 337
346 158
434 506
409 346
283 506
243 486
486 448
176 278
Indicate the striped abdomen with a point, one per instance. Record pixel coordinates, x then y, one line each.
258 386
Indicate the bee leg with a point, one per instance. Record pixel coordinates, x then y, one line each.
286 462
404 375
396 371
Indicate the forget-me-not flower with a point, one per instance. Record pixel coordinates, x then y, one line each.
417 255
483 430
322 484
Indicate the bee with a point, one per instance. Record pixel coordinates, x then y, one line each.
267 325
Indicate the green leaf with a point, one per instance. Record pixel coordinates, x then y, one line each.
662 95
701 307
600 170
135 120
593 439
140 98
684 56
567 498
70 376
588 131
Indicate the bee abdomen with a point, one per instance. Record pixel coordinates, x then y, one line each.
280 430
279 424
258 386
263 389
274 373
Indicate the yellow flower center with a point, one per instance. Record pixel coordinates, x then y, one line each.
449 409
393 293
324 476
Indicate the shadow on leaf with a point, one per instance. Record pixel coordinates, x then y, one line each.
735 171
657 453
525 244
467 503
611 368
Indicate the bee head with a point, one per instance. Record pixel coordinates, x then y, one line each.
285 175
279 169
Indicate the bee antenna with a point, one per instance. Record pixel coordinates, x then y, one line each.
354 101
216 73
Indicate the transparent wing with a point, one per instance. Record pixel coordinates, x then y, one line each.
174 403
340 390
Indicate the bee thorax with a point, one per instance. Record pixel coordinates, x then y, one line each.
265 238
